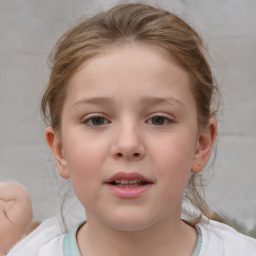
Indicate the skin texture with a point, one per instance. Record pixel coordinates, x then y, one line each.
15 214
148 125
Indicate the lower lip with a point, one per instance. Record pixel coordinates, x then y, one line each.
130 192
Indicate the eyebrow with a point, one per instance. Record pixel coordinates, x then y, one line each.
159 100
147 100
93 100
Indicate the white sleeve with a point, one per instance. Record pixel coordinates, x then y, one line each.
49 230
220 239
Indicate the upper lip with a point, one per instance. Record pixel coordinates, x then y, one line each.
128 176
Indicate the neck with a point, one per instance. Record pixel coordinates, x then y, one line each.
164 238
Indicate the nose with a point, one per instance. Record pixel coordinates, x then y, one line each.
128 144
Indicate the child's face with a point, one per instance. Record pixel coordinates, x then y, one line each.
130 110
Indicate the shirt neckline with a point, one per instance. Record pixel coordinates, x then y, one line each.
70 246
198 246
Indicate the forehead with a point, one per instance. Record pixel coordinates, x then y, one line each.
130 68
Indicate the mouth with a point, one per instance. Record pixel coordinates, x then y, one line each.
128 179
128 185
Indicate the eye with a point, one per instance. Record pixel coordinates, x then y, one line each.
96 121
159 120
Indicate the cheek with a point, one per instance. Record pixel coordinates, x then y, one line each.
84 153
173 158
84 160
175 154
81 160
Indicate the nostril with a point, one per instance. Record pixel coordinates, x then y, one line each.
135 155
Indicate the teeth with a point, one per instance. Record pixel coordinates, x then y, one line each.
123 181
129 183
134 181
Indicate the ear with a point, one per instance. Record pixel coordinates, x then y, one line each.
204 146
54 141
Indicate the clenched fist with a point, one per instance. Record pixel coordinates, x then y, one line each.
15 214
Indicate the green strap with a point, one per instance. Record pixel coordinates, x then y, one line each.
198 243
70 247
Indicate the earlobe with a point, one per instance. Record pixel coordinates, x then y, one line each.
54 141
204 147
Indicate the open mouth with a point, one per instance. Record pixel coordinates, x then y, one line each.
129 183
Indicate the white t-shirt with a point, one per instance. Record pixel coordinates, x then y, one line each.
216 239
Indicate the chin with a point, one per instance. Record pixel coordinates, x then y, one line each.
130 226
131 222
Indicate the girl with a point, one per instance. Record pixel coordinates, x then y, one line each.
131 124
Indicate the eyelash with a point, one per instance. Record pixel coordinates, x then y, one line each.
90 120
166 120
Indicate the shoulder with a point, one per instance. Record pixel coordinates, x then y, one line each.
47 239
220 239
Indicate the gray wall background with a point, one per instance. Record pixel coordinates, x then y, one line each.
28 31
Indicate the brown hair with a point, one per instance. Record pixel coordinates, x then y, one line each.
123 24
